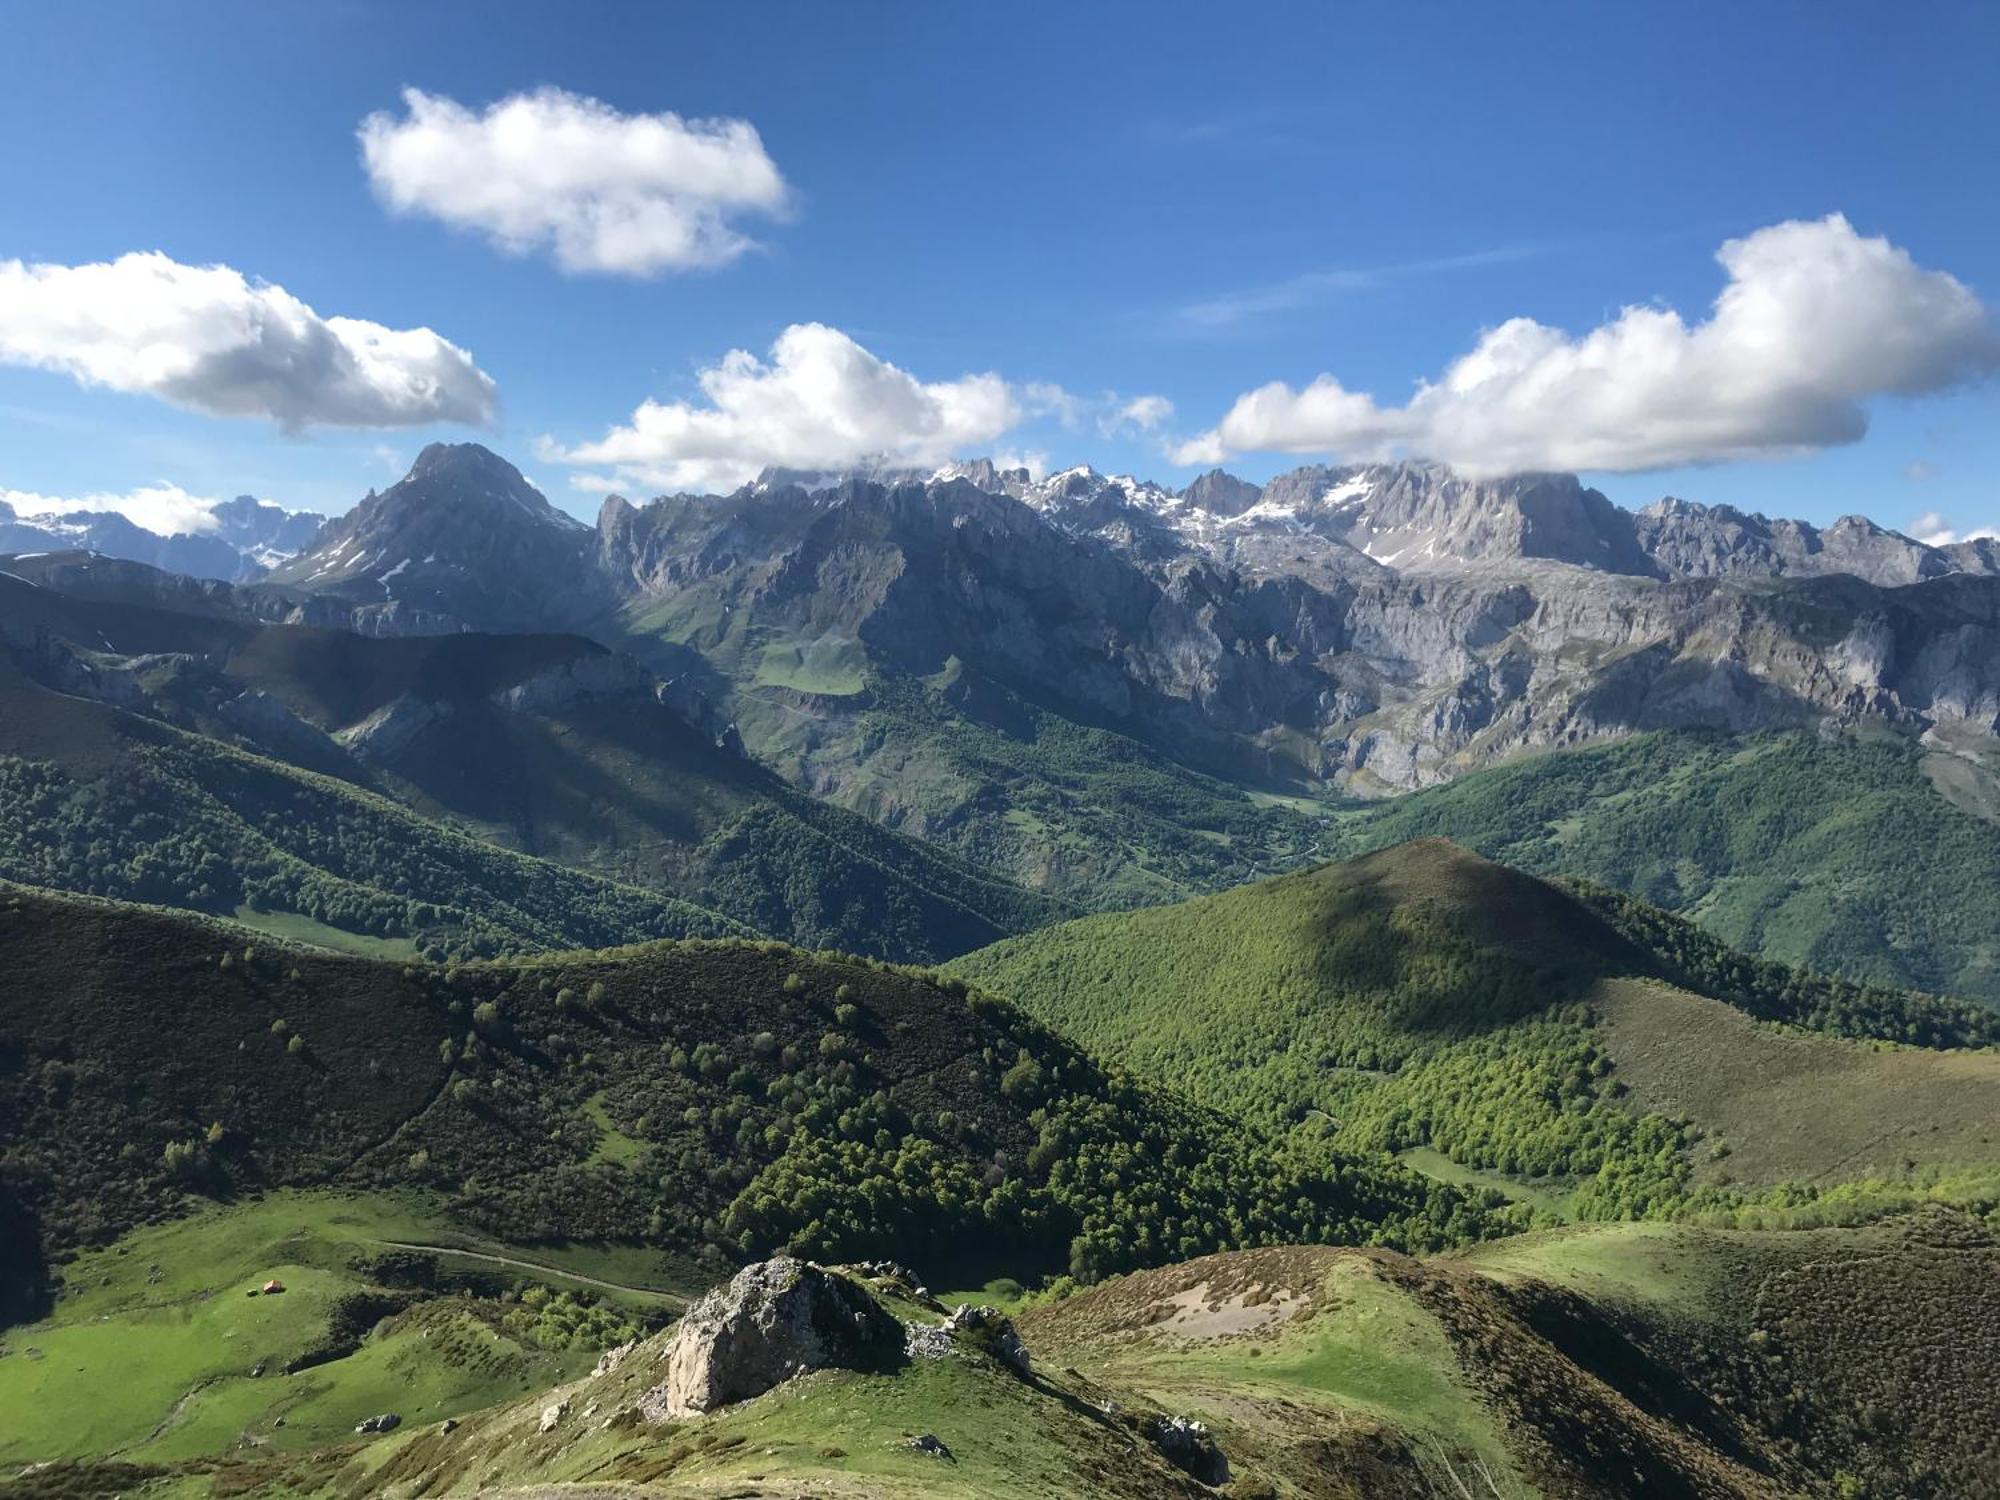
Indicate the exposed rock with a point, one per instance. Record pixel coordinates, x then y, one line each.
264 719
553 1415
392 729
932 1446
895 1278
776 1319
387 1421
583 679
990 1329
1188 1446
613 1357
463 534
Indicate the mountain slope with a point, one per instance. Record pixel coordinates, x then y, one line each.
1618 1362
546 744
245 537
725 1098
461 535
98 800
922 649
1873 857
1421 997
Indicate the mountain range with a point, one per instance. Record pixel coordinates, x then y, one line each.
245 537
1363 629
1108 694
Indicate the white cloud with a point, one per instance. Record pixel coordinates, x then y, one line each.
1141 414
1920 471
1815 320
1936 530
630 195
209 339
1034 460
164 509
820 401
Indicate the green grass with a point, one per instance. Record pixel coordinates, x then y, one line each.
1084 813
491 831
831 665
691 1099
1785 1106
614 1145
1420 999
149 1352
1547 1197
291 927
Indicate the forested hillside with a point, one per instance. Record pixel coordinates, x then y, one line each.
1864 855
722 1098
541 745
1424 998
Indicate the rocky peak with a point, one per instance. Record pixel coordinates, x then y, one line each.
462 534
1222 494
1689 540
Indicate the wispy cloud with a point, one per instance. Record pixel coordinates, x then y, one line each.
1311 288
1273 126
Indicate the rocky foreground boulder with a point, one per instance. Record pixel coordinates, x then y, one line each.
777 1319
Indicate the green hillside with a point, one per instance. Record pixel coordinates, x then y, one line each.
1615 1362
704 1098
1079 811
103 802
1868 856
1423 998
607 781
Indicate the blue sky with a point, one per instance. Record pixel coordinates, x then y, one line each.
1164 200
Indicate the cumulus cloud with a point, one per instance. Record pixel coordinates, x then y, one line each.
1934 529
209 339
1814 321
630 195
164 509
818 401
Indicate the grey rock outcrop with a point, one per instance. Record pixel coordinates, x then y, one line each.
990 1329
582 679
390 731
775 1320
1189 1446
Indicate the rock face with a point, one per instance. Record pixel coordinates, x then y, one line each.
990 1329
776 1319
462 534
1374 628
1188 1446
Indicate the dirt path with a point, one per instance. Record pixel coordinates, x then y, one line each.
536 1266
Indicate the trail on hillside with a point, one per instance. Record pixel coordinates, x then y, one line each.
536 1266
